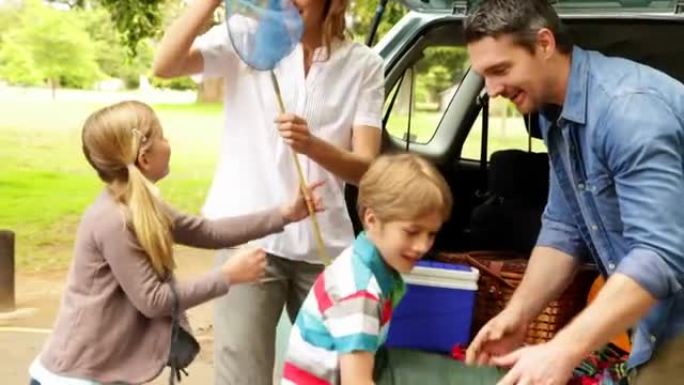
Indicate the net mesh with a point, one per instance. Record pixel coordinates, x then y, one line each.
263 32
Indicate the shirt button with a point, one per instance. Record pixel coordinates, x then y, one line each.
611 266
580 186
653 339
594 227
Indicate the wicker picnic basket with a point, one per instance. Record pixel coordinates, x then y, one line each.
501 273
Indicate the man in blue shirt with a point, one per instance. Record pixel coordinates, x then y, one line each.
615 136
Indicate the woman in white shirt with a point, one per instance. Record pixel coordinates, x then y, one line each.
333 89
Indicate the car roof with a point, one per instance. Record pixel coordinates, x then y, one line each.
563 7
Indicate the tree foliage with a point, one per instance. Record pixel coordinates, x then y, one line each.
138 20
9 17
75 42
113 58
39 40
48 44
135 20
17 65
453 58
362 13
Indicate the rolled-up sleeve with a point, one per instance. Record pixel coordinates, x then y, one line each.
558 229
643 148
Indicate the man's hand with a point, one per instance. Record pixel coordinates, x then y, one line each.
501 335
550 363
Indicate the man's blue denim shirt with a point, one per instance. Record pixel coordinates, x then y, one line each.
617 182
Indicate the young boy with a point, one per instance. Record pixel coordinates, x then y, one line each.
403 201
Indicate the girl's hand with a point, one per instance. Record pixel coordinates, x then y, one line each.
295 132
246 265
298 209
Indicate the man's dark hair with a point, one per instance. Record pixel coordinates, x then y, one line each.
521 19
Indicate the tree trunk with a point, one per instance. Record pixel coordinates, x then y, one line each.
7 302
53 87
210 90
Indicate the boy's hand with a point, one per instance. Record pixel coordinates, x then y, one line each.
298 209
356 368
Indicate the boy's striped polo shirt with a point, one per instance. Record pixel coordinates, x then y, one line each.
348 309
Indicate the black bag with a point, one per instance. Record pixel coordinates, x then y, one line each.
184 347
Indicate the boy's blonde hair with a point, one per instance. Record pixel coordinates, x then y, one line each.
113 137
403 187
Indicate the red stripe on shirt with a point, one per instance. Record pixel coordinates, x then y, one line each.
361 294
322 297
300 376
386 312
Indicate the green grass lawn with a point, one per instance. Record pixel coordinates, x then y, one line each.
45 182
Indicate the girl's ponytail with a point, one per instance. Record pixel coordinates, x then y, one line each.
113 138
151 223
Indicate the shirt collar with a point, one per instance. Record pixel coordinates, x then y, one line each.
575 103
388 278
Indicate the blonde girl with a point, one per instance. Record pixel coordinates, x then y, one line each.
114 322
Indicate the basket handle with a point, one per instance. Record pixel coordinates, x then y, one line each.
480 266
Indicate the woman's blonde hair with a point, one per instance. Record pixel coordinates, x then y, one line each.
403 187
334 24
113 137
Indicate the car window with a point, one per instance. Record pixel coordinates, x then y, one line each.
419 99
506 131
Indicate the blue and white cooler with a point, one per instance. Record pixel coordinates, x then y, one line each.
437 309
